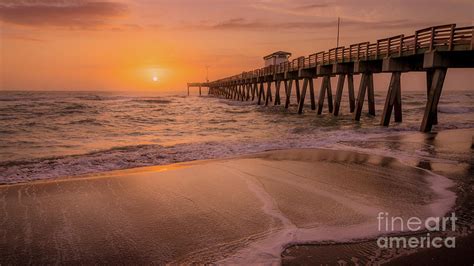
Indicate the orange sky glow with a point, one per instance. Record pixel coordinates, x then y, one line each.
122 45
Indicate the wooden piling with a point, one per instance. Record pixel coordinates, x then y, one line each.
277 92
429 80
322 92
371 94
325 89
246 92
249 91
340 87
366 84
350 85
288 93
269 93
254 90
311 94
329 92
199 90
302 96
260 94
432 104
297 88
360 97
393 100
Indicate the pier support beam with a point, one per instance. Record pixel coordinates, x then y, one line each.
325 87
297 88
288 92
366 84
302 96
254 90
277 92
199 90
393 100
239 92
340 87
260 94
311 94
433 99
429 80
350 81
269 93
249 89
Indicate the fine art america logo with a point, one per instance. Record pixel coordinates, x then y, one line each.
388 223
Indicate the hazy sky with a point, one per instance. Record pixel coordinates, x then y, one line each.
122 45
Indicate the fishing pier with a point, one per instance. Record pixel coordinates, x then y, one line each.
431 50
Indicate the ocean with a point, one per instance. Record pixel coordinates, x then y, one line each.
269 198
56 134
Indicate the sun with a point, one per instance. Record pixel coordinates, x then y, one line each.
155 78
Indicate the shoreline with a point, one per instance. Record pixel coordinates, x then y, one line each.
302 156
83 165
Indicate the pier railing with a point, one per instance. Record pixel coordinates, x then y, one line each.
444 37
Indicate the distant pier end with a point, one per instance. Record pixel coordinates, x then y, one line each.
199 85
431 50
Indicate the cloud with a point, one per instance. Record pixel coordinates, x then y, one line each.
81 14
261 25
22 38
310 6
295 7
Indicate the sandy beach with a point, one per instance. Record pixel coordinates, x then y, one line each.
242 210
448 153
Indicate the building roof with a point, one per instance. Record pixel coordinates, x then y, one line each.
277 53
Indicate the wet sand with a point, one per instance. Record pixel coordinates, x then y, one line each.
448 153
241 210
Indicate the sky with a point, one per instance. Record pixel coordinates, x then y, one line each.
126 44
